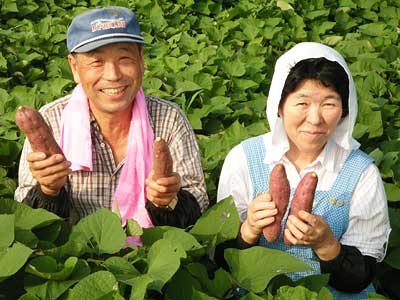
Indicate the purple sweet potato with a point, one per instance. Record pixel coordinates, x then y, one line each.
32 124
303 196
279 190
162 160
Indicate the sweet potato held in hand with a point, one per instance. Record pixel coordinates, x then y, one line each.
303 196
32 124
279 190
162 160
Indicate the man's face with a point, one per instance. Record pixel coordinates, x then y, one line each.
110 75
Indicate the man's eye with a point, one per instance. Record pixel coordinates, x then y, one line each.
96 63
126 59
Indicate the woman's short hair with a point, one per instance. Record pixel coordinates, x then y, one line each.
329 73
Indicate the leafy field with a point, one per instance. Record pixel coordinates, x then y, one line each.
215 59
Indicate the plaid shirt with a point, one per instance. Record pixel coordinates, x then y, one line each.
93 190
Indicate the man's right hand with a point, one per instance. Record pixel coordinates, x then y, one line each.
50 172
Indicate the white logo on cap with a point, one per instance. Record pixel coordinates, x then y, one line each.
105 24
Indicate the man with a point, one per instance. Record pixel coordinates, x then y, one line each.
106 130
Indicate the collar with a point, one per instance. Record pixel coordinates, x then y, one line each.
275 152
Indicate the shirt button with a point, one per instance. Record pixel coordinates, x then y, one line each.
339 203
102 145
332 200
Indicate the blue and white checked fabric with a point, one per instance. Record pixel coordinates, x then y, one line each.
333 204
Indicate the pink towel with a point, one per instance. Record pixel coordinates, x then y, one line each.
130 192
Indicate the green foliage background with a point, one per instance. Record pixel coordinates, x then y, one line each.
215 59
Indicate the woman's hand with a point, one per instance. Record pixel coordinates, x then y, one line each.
260 213
313 231
50 172
163 190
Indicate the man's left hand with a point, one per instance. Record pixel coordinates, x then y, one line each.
163 190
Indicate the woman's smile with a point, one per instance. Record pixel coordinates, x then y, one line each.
310 115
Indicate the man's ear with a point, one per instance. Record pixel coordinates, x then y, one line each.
73 63
141 58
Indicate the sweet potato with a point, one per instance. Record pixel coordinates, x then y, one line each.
303 197
279 190
32 124
162 160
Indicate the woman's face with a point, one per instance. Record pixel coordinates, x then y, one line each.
310 115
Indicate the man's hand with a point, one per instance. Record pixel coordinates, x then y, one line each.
313 231
50 172
260 213
163 190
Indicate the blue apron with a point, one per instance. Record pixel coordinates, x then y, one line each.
333 205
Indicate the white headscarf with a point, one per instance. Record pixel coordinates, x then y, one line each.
343 133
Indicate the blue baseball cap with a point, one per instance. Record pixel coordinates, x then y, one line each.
103 26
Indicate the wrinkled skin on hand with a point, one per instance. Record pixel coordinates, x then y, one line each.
260 213
313 231
51 172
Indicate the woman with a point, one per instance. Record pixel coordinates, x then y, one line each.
311 110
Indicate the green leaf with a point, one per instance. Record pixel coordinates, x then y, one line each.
392 192
376 296
186 86
28 297
373 29
181 286
164 261
325 294
121 268
3 63
251 296
101 232
94 287
284 5
157 17
49 233
219 223
181 237
9 6
46 267
314 282
153 234
13 259
28 7
8 206
253 268
29 218
70 248
52 289
26 237
316 14
176 64
139 286
298 293
218 286
198 295
244 84
234 68
6 230
133 228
